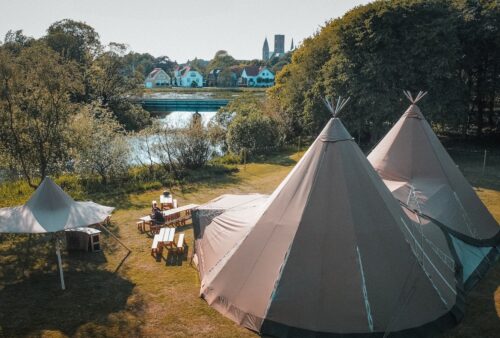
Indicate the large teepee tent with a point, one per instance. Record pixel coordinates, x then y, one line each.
422 176
331 252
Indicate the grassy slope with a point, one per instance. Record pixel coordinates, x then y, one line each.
150 298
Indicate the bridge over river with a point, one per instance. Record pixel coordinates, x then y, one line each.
168 105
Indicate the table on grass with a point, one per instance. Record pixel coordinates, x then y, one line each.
173 217
165 238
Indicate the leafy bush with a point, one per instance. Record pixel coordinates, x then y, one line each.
254 133
100 144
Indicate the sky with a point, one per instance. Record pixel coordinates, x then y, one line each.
181 29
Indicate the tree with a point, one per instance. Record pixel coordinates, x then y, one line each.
110 87
192 146
74 40
479 36
221 60
14 41
199 65
164 63
227 78
100 144
35 108
254 133
372 54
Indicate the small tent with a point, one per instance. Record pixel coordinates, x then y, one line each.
329 253
51 210
422 176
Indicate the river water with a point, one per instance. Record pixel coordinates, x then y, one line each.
181 119
175 119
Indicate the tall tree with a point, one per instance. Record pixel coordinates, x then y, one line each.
74 40
479 33
377 50
111 85
35 107
14 41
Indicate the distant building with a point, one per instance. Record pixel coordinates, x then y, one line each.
212 77
157 78
187 77
265 51
279 48
254 76
279 44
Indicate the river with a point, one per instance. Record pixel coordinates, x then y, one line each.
175 119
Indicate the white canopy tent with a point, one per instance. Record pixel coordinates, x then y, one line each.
51 210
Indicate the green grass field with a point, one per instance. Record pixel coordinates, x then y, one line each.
111 295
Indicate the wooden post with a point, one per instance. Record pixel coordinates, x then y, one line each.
484 161
59 262
112 235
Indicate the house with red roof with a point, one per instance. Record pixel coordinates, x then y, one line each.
157 78
254 76
187 77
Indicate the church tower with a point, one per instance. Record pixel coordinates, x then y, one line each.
265 51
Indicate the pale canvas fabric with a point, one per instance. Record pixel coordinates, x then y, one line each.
50 209
331 251
417 169
226 230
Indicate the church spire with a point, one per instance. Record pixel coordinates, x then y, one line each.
265 50
292 47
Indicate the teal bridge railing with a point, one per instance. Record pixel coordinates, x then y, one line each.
152 104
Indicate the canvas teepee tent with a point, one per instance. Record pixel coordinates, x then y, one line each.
422 176
331 252
222 223
51 210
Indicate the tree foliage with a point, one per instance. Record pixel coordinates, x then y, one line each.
110 87
449 48
35 109
253 133
99 143
74 40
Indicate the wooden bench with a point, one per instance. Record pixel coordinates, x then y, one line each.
156 247
155 227
180 244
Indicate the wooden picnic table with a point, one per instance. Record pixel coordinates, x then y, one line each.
165 238
177 216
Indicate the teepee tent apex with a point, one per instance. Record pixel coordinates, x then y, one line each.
419 96
338 107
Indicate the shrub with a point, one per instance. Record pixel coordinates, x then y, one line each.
254 133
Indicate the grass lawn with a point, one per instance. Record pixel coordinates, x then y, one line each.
109 294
